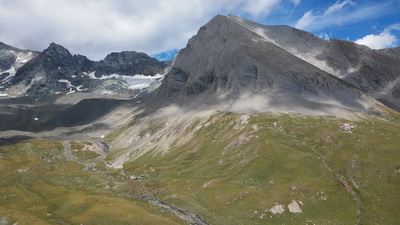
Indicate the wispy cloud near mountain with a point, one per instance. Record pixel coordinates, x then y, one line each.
341 12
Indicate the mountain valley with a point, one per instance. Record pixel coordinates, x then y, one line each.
249 124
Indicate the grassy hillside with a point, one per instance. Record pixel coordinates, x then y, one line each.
39 186
244 169
227 168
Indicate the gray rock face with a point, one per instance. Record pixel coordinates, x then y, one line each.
227 59
377 72
41 75
14 57
11 59
7 58
129 63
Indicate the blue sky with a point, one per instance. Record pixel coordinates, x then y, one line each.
161 27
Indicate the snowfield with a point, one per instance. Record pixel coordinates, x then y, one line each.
137 81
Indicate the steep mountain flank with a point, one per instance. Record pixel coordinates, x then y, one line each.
41 75
11 59
226 62
373 71
14 57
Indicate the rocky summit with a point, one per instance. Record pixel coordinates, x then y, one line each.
250 124
236 59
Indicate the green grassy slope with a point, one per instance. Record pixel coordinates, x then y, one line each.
227 168
39 186
235 168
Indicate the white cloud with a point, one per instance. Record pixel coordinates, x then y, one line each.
97 27
307 19
260 7
394 26
383 40
295 2
337 6
343 12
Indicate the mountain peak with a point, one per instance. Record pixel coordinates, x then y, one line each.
130 63
235 59
59 55
53 47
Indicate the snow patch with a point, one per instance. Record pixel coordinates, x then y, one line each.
71 87
137 81
11 73
23 57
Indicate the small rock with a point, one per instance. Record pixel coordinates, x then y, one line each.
277 209
134 177
347 127
294 207
294 188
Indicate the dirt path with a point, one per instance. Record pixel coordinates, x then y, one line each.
67 152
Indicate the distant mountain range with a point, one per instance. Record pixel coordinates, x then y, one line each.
55 70
231 62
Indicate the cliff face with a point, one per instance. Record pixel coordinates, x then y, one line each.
11 59
228 59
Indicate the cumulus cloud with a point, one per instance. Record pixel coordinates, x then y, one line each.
97 27
343 12
379 41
